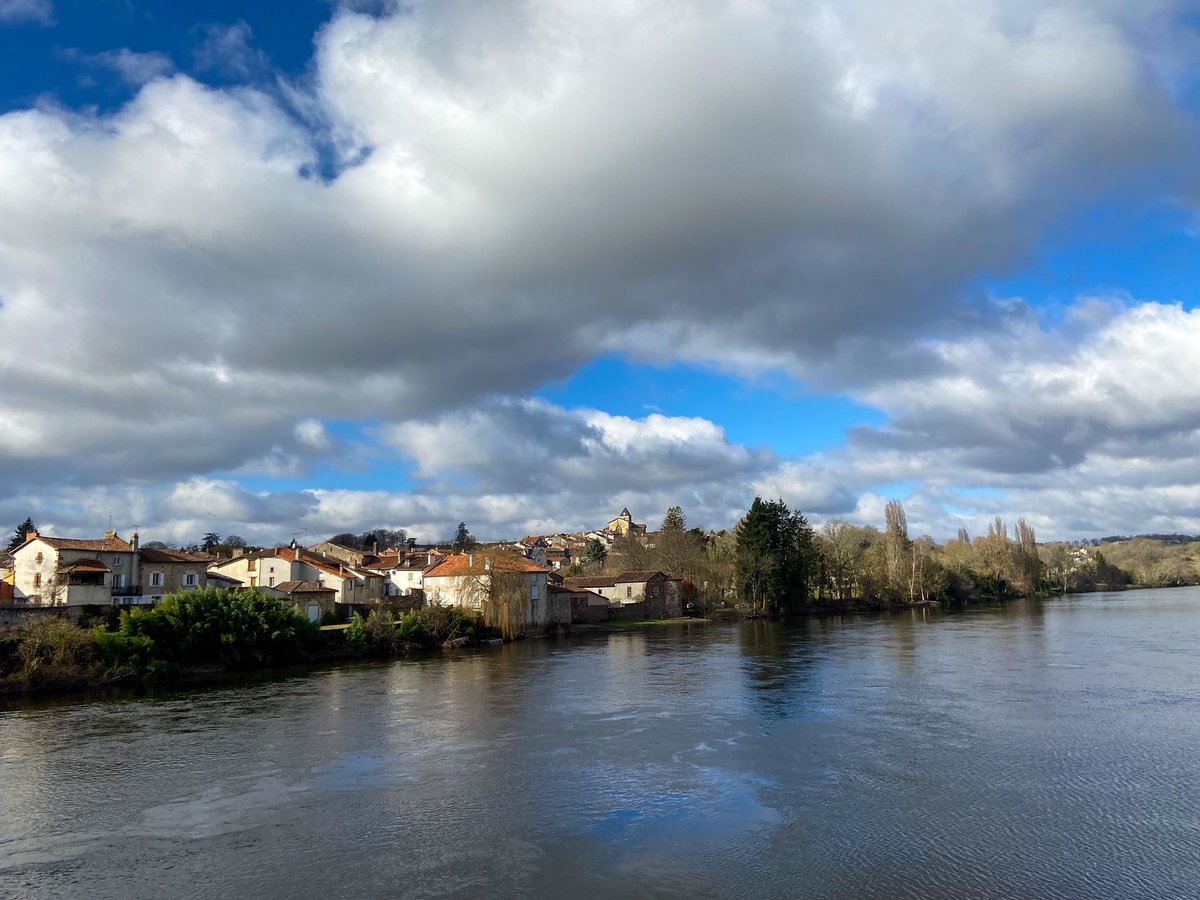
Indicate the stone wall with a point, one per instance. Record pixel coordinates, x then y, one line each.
19 616
583 612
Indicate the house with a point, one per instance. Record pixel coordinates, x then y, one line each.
353 587
53 571
657 593
311 600
402 573
534 549
581 605
470 580
348 555
558 559
166 572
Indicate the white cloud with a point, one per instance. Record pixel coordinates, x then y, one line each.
133 68
14 11
229 50
802 187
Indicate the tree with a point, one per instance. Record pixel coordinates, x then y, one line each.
1028 564
900 567
594 553
675 520
382 538
842 549
20 534
211 539
776 557
464 541
680 551
235 541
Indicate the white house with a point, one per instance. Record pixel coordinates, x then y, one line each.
467 579
53 571
270 568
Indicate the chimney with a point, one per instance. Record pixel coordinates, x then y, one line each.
133 541
471 560
375 548
109 535
297 553
429 558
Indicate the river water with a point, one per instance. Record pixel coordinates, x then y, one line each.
1039 750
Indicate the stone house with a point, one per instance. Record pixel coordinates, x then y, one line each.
353 587
52 571
402 573
659 593
467 579
165 572
581 606
310 599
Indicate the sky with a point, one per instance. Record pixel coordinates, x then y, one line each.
302 268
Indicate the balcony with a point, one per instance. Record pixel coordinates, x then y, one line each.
126 590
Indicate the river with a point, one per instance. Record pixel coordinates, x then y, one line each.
1037 750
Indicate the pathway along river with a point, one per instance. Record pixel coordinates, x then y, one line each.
1040 750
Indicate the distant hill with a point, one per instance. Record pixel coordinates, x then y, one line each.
1164 538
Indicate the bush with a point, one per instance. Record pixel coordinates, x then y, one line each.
234 629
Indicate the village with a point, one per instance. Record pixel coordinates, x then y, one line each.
536 577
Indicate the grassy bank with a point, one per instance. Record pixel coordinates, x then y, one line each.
210 632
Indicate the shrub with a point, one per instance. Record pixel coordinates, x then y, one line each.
234 629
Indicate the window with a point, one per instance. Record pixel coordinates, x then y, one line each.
117 560
628 592
37 579
253 581
271 581
533 592
156 579
189 580
38 559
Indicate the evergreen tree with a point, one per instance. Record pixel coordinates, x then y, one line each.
776 557
675 520
464 541
20 534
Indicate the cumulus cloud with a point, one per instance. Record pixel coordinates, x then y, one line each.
518 188
1084 427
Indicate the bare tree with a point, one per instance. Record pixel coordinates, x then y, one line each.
896 548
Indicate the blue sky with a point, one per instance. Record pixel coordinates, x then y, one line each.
558 264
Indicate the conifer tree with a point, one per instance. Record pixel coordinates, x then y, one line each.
20 534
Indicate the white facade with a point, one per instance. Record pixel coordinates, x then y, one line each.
50 571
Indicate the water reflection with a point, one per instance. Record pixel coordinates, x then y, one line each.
1037 750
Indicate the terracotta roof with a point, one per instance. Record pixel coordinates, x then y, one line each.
105 545
460 564
86 565
595 581
303 587
637 576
